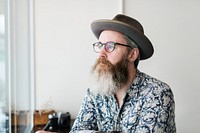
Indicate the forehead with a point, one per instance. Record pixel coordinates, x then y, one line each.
108 35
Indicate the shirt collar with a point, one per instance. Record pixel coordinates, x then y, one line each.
134 88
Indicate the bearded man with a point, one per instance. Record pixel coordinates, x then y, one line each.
121 98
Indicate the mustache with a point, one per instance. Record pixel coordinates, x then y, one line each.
105 62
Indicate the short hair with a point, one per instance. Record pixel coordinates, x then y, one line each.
131 43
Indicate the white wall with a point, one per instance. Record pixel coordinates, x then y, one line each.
173 27
64 52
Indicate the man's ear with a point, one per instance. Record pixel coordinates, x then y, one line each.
133 54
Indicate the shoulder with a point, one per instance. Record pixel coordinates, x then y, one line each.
157 102
148 81
148 86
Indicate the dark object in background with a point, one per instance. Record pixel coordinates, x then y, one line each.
58 122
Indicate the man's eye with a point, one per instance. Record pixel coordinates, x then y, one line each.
110 46
99 45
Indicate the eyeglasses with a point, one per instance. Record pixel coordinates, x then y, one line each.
109 46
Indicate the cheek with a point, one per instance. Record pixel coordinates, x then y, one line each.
117 55
114 59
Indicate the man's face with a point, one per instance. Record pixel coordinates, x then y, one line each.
110 72
115 56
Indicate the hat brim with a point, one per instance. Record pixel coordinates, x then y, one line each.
143 43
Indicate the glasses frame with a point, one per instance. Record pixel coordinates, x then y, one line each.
106 43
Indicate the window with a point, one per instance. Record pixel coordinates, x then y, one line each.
16 66
3 91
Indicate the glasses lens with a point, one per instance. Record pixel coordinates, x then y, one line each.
97 46
110 46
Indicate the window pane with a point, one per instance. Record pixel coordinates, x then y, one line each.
19 62
3 92
16 97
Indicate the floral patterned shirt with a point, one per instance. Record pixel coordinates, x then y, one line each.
148 107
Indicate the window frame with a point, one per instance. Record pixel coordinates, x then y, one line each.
20 59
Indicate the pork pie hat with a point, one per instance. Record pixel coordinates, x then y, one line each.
129 27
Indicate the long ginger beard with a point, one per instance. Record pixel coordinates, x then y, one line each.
108 78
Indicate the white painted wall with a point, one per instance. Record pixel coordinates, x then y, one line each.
64 51
173 27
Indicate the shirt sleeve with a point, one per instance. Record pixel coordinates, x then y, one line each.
158 111
86 119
